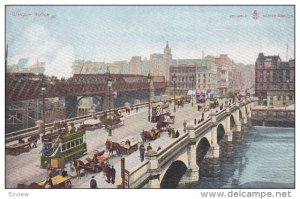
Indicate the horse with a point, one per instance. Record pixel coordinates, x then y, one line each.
33 140
78 165
111 147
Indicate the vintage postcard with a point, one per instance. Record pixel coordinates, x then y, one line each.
150 96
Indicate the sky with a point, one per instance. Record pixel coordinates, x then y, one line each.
62 34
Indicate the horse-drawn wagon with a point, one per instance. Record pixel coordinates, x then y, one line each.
116 119
92 124
56 182
94 162
18 148
23 146
128 145
150 134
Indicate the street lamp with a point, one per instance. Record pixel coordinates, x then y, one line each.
43 91
192 78
149 97
109 84
174 79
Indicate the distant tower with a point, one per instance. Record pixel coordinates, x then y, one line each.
167 50
287 52
167 61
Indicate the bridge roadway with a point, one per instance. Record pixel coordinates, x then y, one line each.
25 168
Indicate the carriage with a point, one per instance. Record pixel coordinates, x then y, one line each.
18 148
150 134
23 146
59 182
128 145
115 120
94 162
161 112
92 124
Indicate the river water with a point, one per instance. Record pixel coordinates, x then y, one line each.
264 159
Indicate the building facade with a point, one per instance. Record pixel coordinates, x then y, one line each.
160 63
206 76
184 75
135 65
274 80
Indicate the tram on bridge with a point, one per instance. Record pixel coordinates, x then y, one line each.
63 147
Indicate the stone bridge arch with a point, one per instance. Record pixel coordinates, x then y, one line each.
241 116
173 175
232 122
201 149
220 132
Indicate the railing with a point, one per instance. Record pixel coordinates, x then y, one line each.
34 130
167 153
139 174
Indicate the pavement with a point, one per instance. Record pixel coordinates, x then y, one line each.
25 168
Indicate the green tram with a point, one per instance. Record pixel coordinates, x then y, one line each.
64 147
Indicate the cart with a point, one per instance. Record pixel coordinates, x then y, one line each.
18 148
58 182
92 124
151 134
128 145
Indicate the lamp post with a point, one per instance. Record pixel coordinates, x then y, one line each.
109 84
43 91
149 96
174 79
192 79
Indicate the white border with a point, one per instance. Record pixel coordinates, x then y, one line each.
126 193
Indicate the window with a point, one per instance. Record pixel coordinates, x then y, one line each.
284 98
290 97
77 142
279 97
68 145
72 144
63 147
271 97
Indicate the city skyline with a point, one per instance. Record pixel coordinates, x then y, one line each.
60 35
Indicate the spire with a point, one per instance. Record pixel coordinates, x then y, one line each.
167 46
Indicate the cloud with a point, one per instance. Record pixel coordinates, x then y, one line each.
36 43
60 66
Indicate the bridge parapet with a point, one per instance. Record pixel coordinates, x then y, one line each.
186 142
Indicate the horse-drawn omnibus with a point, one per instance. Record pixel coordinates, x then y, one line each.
161 112
65 146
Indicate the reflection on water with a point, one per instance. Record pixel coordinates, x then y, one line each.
264 159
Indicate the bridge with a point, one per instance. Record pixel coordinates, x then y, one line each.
125 88
196 152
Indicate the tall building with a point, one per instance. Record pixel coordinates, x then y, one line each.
184 74
274 80
206 76
160 63
135 65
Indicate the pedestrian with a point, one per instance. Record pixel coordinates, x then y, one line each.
195 121
93 183
169 131
113 174
177 134
149 147
184 125
159 148
108 174
137 109
143 136
142 152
